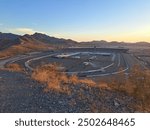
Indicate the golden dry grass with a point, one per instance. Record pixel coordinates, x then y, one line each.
14 67
88 82
103 85
137 84
74 79
55 80
21 49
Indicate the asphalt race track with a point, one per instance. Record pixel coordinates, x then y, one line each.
86 62
20 93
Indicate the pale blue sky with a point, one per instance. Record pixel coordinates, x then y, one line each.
82 20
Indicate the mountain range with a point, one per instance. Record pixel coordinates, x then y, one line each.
8 40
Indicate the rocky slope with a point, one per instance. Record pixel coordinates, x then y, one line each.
8 39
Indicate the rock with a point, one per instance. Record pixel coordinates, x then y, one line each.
60 102
116 103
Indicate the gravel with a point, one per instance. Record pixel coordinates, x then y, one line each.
20 94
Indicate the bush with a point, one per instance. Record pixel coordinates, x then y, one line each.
57 80
14 67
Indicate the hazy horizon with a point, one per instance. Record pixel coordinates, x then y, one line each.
74 39
86 20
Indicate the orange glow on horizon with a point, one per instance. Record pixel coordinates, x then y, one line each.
140 34
131 39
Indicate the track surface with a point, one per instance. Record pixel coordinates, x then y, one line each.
81 61
89 62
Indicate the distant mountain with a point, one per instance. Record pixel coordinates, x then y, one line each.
52 40
7 40
142 43
113 44
22 45
8 36
30 40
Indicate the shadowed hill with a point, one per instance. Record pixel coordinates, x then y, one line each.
11 44
53 41
21 45
8 36
7 40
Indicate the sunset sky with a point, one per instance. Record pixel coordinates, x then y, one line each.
81 20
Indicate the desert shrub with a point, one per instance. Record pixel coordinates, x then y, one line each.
55 79
48 74
21 49
88 82
14 67
73 79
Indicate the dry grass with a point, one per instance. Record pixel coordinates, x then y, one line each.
136 85
56 80
74 79
88 82
21 49
48 74
14 67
